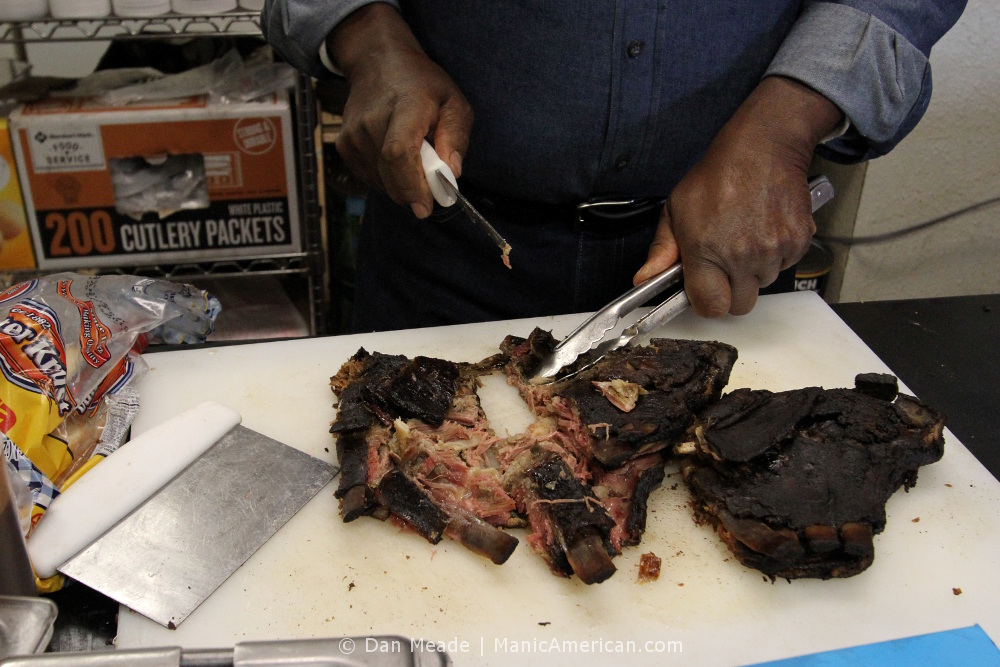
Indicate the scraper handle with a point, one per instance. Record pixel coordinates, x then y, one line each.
123 481
433 164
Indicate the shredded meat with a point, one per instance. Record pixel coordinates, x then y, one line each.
412 432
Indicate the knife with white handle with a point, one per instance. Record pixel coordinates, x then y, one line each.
123 481
444 187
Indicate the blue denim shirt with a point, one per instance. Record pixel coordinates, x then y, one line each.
598 97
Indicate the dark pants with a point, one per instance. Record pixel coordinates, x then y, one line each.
444 270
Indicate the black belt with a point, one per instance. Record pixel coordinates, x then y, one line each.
613 210
597 215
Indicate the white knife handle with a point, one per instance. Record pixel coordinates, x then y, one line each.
124 480
433 163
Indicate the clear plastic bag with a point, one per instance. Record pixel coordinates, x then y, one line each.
161 185
197 81
69 347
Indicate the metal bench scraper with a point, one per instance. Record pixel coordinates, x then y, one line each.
162 557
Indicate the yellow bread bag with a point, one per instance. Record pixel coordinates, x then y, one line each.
69 346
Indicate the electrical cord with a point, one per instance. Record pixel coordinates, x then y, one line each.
889 236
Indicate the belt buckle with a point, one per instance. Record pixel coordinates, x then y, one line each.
614 209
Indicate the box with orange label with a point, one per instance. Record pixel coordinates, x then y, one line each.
15 239
167 182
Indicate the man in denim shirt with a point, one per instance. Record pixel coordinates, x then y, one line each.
707 112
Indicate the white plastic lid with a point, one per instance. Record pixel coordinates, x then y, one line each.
255 5
140 7
200 7
23 10
79 9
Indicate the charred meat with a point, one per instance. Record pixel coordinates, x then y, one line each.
414 444
796 482
405 429
636 400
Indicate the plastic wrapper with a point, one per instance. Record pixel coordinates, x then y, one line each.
101 81
228 79
20 495
196 81
70 346
163 185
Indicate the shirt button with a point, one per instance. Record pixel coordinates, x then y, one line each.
634 48
622 161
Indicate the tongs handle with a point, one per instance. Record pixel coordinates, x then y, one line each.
646 290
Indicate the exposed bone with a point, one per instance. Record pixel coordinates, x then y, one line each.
685 448
356 502
822 539
858 540
621 393
782 544
589 559
482 538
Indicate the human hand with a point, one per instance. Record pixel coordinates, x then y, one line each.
398 97
743 213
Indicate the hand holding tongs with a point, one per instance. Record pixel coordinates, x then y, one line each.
444 187
595 328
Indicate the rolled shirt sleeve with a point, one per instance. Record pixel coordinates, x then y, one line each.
877 76
297 29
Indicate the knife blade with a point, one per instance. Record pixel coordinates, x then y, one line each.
476 217
444 187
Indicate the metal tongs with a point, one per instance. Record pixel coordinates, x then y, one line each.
595 329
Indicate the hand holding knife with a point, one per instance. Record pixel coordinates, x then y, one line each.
444 187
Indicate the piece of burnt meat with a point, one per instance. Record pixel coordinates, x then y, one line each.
670 380
423 389
796 482
404 428
361 386
617 419
624 492
409 502
569 526
356 498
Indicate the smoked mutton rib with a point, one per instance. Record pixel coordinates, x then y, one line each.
671 379
414 444
796 482
615 424
400 426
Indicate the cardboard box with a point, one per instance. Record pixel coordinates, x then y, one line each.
15 238
81 164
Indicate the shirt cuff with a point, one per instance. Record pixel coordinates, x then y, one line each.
870 71
839 131
327 59
297 29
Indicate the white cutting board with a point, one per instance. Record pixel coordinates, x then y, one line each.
319 577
